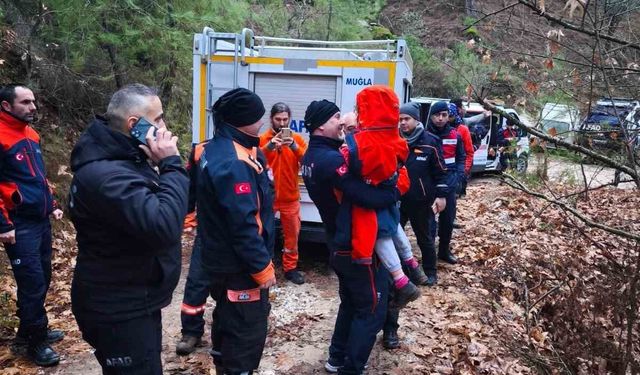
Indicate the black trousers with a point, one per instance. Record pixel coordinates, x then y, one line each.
239 328
421 217
130 347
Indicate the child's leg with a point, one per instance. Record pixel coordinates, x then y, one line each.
386 251
402 244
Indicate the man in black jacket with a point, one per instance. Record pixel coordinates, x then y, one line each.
236 225
363 288
428 191
128 217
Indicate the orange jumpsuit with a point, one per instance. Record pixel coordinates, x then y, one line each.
285 165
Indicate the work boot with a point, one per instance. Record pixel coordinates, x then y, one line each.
294 276
390 340
417 276
431 280
448 257
333 365
42 354
406 294
53 335
187 344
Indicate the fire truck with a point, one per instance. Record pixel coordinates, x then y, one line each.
296 72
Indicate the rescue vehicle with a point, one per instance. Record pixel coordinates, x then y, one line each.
296 72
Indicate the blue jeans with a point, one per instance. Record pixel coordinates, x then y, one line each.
363 294
30 259
196 291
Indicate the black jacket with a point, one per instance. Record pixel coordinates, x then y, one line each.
427 171
325 176
234 204
128 220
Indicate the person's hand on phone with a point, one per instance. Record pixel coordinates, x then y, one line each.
276 142
163 145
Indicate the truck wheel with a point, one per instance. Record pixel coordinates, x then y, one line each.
522 163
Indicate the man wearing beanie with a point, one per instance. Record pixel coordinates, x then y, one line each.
454 158
235 217
363 288
428 190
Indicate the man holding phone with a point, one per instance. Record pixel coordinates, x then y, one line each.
128 200
284 151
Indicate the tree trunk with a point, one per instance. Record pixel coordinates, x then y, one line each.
470 8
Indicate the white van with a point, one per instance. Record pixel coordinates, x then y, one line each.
559 120
296 72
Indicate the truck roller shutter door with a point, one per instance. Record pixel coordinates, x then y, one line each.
295 90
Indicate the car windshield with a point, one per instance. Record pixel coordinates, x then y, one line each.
606 115
561 127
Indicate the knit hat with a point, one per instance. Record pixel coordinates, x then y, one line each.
239 107
411 109
319 112
438 107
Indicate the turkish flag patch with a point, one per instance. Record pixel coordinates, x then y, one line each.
243 188
342 170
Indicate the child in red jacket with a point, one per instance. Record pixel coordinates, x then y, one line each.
377 153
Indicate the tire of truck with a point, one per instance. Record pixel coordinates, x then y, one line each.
522 163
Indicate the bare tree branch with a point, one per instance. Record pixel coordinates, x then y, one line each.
573 27
514 183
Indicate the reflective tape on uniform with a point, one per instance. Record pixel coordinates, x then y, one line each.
453 141
192 310
450 160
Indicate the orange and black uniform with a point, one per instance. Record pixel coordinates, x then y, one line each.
285 164
25 204
236 225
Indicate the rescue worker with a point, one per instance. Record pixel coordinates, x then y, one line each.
196 289
363 288
456 121
284 154
128 217
428 175
475 124
26 201
236 224
350 122
454 158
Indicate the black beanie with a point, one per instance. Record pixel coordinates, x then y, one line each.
438 107
239 107
319 112
411 109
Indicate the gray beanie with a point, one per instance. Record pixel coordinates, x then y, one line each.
411 109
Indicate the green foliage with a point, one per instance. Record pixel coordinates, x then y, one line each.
381 33
472 31
465 68
427 69
320 19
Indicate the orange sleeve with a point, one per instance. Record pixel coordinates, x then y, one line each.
265 275
302 146
264 140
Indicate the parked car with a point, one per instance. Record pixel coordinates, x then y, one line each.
611 124
559 120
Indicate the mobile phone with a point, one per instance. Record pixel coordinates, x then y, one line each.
140 129
285 133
